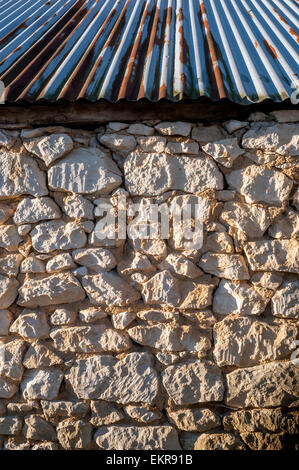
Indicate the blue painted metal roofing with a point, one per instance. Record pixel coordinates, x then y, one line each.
243 50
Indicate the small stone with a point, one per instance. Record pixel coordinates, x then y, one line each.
136 262
39 355
263 441
129 380
61 262
225 266
196 295
235 298
8 291
140 129
266 280
285 302
31 325
23 230
118 142
259 184
95 259
243 342
247 388
77 207
88 226
167 358
5 213
174 128
218 441
273 255
279 138
137 438
7 389
188 147
103 413
16 443
30 211
251 219
162 288
10 425
86 171
20 175
9 237
142 414
63 316
180 266
122 320
51 290
36 428
152 144
62 408
117 126
170 338
193 382
258 116
208 134
50 148
8 138
109 289
11 367
157 316
5 321
45 446
224 151
42 384
9 265
285 115
218 242
32 265
57 235
194 419
89 339
286 227
74 434
91 315
233 125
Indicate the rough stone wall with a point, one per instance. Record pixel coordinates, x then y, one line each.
144 344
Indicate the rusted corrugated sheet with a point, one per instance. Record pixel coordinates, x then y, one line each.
243 50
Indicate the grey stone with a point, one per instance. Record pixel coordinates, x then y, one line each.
49 148
41 384
285 302
57 235
33 210
109 289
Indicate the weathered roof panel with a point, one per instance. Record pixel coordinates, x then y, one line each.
243 50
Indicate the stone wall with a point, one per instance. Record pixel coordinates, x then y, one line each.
144 343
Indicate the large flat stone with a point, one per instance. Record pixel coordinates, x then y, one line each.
90 339
244 342
279 138
86 171
137 438
262 386
129 380
273 255
109 289
51 290
153 174
57 235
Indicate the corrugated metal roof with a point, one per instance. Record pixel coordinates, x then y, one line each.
243 50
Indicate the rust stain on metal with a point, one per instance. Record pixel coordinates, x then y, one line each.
294 34
281 17
270 49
